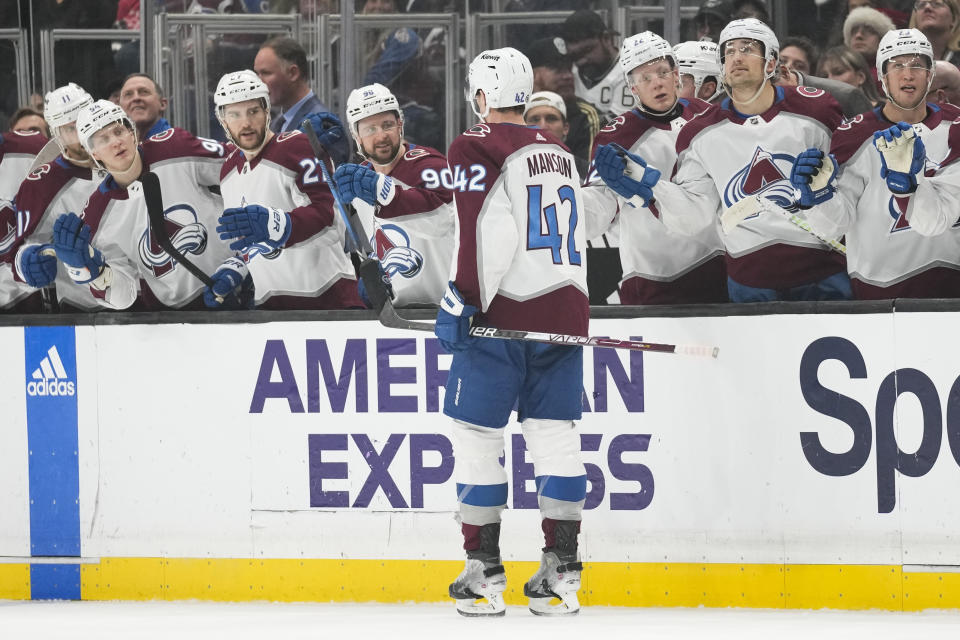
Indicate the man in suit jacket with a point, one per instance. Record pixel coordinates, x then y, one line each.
281 64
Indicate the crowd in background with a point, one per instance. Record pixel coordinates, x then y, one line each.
831 39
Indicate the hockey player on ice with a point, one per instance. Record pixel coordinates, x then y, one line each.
752 145
63 185
402 195
898 197
517 265
17 151
279 212
660 266
110 249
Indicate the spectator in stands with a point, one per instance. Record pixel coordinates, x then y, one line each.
846 65
712 16
387 52
798 54
946 84
862 31
594 51
751 9
939 20
552 71
281 64
28 119
142 99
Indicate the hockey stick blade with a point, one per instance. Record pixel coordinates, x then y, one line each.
739 212
802 223
154 199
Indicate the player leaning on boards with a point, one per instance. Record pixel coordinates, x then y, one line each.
517 265
51 189
749 146
660 266
111 248
279 212
402 193
898 208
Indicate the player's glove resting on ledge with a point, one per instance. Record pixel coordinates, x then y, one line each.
71 240
37 264
357 181
232 286
254 224
453 321
627 174
902 157
813 177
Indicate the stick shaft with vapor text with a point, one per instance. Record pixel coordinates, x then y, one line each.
389 317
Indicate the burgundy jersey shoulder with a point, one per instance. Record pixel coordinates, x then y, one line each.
851 135
99 200
21 142
416 160
288 150
814 103
703 121
951 114
625 129
494 143
234 162
177 143
44 184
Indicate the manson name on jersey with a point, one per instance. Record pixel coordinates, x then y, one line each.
542 162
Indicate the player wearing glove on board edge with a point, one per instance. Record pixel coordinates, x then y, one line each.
518 266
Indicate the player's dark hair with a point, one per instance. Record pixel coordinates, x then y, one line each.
290 51
516 109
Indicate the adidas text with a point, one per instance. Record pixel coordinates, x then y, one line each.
51 387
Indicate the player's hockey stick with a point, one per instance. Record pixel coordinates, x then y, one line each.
389 317
755 204
153 196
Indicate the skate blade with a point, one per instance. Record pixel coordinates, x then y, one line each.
566 606
493 607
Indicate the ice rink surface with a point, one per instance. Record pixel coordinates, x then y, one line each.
21 620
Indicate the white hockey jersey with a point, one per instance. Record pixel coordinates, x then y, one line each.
724 157
17 151
413 235
660 266
611 96
49 191
900 246
520 234
186 166
311 271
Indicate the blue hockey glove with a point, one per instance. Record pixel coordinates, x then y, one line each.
37 265
902 157
382 278
453 321
627 174
254 224
228 281
71 240
813 177
330 134
358 181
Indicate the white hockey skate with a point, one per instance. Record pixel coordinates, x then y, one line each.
480 580
555 579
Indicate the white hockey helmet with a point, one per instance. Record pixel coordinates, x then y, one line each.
903 42
698 58
505 77
752 29
369 101
98 115
239 86
642 48
62 105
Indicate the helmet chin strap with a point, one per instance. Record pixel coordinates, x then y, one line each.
763 85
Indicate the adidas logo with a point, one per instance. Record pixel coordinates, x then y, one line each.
50 378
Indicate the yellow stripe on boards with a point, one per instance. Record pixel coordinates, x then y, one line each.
604 583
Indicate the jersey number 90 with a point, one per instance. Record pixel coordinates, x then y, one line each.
550 238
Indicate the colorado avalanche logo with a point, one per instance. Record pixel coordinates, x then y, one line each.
263 250
8 227
392 245
897 206
766 175
186 233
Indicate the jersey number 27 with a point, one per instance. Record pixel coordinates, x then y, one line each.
550 238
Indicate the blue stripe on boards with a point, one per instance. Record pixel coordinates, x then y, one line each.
54 471
568 488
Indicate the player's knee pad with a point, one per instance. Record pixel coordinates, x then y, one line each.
554 447
481 480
